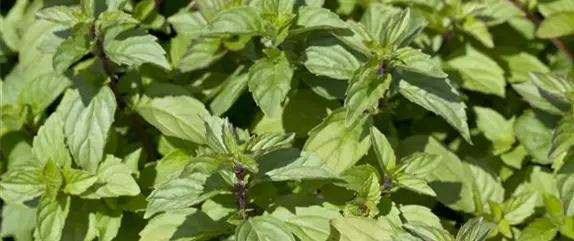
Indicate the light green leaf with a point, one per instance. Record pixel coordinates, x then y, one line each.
237 20
383 149
108 223
68 16
554 209
552 83
495 128
21 184
177 116
170 166
486 185
72 49
414 183
515 157
270 81
267 142
563 136
234 86
307 223
314 18
427 232
278 6
438 96
419 164
541 99
337 145
188 223
49 143
77 181
115 18
215 127
358 228
420 214
519 207
451 176
263 228
21 230
520 64
51 216
189 24
290 164
478 30
42 90
365 90
133 48
475 229
392 27
201 55
565 185
357 39
534 131
114 180
179 193
414 60
378 17
479 72
557 25
333 61
540 229
88 114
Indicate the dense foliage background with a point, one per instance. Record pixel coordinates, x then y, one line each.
311 120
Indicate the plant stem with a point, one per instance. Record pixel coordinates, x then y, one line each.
240 192
148 149
556 41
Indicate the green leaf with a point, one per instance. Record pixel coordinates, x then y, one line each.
519 207
414 60
475 229
332 61
315 18
134 48
357 228
88 114
451 182
565 185
215 128
556 25
520 64
429 232
176 116
540 229
179 193
414 183
290 164
267 142
534 131
188 223
338 145
495 128
486 185
278 6
478 30
190 24
391 27
552 84
365 89
72 49
77 181
21 184
563 136
420 214
201 55
438 96
237 20
270 81
49 143
42 90
419 164
21 230
67 16
307 223
110 19
233 87
541 99
170 166
263 228
114 180
383 149
478 72
554 209
358 38
51 216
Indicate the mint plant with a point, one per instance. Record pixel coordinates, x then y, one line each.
309 120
